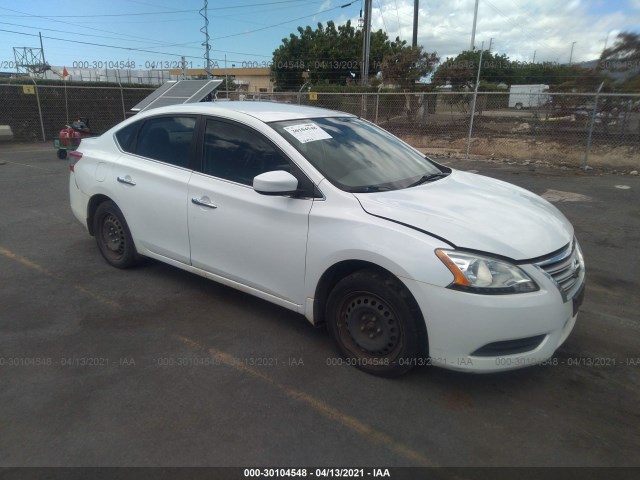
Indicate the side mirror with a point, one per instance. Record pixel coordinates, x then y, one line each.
277 182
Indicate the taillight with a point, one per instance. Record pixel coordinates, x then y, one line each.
74 157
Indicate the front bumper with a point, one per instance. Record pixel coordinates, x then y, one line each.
488 333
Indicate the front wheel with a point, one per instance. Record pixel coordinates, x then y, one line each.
113 236
374 321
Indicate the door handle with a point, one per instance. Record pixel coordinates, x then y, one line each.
126 180
203 202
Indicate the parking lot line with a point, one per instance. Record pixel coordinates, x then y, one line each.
314 403
229 360
28 165
40 269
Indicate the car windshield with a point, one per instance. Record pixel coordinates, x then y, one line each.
357 156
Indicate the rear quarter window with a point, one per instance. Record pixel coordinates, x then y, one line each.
126 136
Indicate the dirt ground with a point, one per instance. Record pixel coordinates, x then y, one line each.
526 138
621 159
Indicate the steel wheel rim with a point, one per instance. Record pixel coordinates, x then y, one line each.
113 237
369 326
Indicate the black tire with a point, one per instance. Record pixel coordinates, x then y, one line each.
113 236
518 106
375 323
62 153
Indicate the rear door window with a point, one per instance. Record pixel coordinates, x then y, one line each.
167 139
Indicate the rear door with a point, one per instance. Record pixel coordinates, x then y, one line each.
152 180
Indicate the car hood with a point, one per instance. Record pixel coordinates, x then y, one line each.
475 212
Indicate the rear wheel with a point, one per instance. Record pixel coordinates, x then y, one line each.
62 153
113 236
518 106
374 321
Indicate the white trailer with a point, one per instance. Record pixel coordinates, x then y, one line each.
528 96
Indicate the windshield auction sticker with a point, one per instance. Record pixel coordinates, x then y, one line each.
307 132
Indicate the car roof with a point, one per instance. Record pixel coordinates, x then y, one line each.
263 111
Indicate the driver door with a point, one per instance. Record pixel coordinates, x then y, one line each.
256 240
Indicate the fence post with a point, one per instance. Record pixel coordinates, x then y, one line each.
124 113
44 138
66 101
585 167
473 106
625 120
363 106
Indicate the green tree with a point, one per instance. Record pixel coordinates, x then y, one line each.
463 69
622 61
330 55
624 53
406 65
228 84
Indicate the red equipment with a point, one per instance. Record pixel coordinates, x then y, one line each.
69 137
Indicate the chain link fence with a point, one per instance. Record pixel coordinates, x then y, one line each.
38 112
565 129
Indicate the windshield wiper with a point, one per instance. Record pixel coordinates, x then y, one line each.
370 188
429 178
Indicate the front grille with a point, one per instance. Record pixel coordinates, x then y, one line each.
566 269
509 347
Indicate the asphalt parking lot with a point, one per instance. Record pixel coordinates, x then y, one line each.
156 366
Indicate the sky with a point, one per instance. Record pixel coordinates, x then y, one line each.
246 32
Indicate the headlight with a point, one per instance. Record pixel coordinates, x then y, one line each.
477 274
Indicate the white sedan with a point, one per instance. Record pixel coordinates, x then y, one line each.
407 262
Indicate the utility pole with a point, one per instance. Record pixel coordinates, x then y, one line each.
473 103
473 30
534 56
571 54
226 76
416 7
366 43
183 65
206 45
490 43
44 62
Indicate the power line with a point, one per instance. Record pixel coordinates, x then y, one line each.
62 31
148 21
214 38
285 22
257 4
382 17
398 15
70 15
89 28
184 45
100 15
132 49
385 25
252 12
146 49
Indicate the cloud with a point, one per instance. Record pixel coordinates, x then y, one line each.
517 28
326 5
